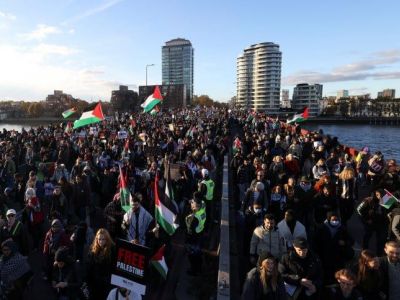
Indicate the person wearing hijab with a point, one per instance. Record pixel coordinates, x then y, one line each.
15 271
55 238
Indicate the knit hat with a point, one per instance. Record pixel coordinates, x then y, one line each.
300 243
304 179
204 172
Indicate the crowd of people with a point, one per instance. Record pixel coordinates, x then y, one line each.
296 194
61 196
300 198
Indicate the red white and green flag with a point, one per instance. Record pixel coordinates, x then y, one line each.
297 118
68 128
90 117
124 192
152 100
388 200
158 261
69 112
165 215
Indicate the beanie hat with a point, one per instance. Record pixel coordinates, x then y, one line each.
204 172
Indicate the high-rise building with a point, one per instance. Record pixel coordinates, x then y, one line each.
177 65
388 93
309 95
285 101
342 94
259 77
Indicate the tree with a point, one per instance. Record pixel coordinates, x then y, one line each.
203 100
35 109
344 108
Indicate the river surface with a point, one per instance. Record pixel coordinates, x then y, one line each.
378 138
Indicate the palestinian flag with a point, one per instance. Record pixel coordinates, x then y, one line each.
124 191
155 110
297 118
69 112
90 117
68 128
164 214
152 100
158 261
388 200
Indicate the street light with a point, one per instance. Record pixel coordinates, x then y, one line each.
146 71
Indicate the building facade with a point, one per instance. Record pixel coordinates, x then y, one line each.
259 77
342 94
124 99
308 95
177 65
285 101
174 95
388 93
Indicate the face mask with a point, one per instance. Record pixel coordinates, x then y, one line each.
334 223
305 186
257 210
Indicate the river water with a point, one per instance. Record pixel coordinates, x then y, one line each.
378 138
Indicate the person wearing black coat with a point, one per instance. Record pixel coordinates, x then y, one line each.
333 244
324 202
303 269
264 282
389 266
374 218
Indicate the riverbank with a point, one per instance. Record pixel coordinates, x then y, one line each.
35 121
389 121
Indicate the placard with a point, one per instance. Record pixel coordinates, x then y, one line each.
131 266
122 134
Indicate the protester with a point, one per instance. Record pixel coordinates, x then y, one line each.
266 238
303 270
195 223
66 279
15 271
264 281
15 230
137 222
346 289
369 277
389 267
333 244
290 229
101 260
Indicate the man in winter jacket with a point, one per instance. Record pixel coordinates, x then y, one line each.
303 269
267 238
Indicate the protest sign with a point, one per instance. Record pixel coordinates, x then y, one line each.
122 134
130 267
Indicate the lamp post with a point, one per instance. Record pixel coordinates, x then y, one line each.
150 65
